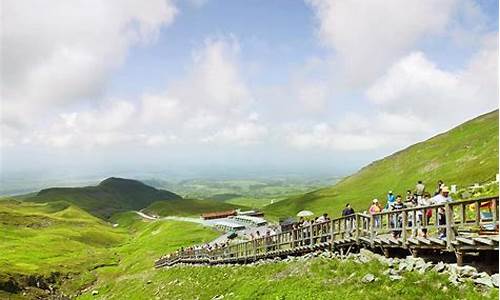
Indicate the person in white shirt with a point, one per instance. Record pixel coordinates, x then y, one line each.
442 198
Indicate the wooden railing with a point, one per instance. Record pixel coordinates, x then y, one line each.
447 221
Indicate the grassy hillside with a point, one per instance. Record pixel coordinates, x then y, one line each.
59 245
314 279
188 207
75 253
463 156
48 242
110 196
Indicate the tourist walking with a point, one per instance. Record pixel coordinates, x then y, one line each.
375 209
348 212
397 217
442 198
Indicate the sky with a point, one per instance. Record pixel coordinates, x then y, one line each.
314 86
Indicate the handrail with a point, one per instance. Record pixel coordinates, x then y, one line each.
402 223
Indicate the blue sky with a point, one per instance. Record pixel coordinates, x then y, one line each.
301 86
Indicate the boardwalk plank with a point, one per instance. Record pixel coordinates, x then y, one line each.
424 240
413 241
437 241
465 240
483 241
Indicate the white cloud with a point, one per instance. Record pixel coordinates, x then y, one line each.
415 99
313 95
214 81
418 86
160 109
59 52
244 133
211 103
358 132
368 35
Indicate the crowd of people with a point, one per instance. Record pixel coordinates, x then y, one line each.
417 198
301 230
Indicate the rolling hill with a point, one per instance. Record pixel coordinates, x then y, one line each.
465 155
108 197
54 250
188 207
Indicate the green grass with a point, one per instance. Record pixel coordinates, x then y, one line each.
40 240
110 196
463 156
256 203
315 279
118 263
255 193
188 207
43 239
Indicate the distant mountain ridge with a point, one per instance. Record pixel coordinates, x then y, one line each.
108 197
464 155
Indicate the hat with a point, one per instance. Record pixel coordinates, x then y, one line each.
390 192
445 189
375 200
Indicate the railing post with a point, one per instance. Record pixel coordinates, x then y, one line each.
450 234
372 230
332 233
310 235
463 217
494 211
403 227
478 212
357 229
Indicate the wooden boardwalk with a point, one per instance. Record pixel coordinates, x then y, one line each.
459 227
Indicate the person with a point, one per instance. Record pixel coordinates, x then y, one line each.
442 198
305 231
398 205
390 200
375 209
425 201
320 219
440 185
348 211
409 196
325 220
268 240
420 189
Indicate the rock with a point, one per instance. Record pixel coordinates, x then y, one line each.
452 268
453 278
409 267
395 277
466 271
477 275
494 279
364 259
367 253
368 278
95 292
439 267
421 266
218 297
149 282
486 280
402 265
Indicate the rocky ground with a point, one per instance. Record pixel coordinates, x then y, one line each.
395 267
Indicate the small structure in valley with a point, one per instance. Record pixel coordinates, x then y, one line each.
218 214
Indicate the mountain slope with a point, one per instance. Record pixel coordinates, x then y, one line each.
110 196
188 207
465 155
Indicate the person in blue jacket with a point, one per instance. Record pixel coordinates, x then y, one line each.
390 200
